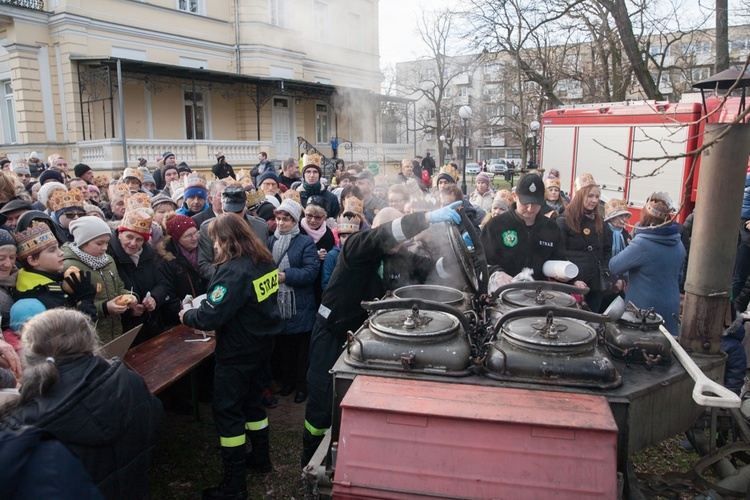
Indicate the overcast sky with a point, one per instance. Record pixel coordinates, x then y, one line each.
398 39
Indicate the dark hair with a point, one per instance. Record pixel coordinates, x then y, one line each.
234 239
648 220
574 213
453 191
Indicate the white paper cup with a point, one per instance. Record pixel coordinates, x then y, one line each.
560 269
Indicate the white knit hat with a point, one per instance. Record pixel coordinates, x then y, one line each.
87 228
292 208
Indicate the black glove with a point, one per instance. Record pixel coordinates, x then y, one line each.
81 285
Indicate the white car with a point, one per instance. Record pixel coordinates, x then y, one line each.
497 165
473 168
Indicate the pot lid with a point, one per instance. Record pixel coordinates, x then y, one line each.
646 319
549 331
414 324
464 258
538 297
435 293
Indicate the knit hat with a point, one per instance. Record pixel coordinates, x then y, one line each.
483 177
177 194
6 238
46 190
60 201
292 194
87 228
51 175
138 200
34 155
195 186
93 189
552 182
162 198
318 201
24 310
21 167
183 167
553 172
133 173
503 198
233 199
35 239
445 176
166 155
614 208
169 167
138 221
348 222
268 174
530 189
148 178
584 180
4 161
93 209
292 208
81 169
177 225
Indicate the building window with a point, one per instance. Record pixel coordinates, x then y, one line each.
430 114
321 123
8 114
278 12
447 92
195 123
320 20
194 6
463 92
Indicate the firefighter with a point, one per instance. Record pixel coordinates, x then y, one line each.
359 275
241 307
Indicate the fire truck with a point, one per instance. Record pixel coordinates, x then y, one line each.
633 149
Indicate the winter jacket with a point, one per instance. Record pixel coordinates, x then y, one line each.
653 260
222 171
333 202
202 217
736 367
577 249
179 278
301 276
184 210
47 288
241 308
6 297
107 417
142 279
327 242
108 286
332 257
206 268
484 201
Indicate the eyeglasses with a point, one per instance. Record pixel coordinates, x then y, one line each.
396 202
314 217
74 215
283 219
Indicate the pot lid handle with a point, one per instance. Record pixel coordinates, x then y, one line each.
552 286
421 304
563 312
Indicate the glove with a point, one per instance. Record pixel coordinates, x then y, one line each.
446 214
467 239
81 285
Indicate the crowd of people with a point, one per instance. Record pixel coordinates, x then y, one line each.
284 256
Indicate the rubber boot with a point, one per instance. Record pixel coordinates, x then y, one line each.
259 457
234 485
309 446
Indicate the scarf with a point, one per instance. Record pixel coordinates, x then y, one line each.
618 240
285 295
94 263
590 215
312 188
315 234
136 257
191 256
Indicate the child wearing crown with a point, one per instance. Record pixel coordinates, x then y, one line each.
40 279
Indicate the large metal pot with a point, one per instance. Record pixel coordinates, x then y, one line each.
636 338
435 293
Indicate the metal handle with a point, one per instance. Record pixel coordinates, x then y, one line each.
706 392
423 305
558 311
545 285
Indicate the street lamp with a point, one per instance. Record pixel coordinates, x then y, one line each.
534 127
464 113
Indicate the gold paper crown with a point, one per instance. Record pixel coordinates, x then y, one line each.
60 199
292 194
194 181
584 180
138 200
615 207
505 196
552 182
35 239
138 220
255 197
101 182
354 204
450 170
116 190
134 173
313 159
246 181
658 206
348 224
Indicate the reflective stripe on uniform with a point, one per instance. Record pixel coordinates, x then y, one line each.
314 430
256 426
232 442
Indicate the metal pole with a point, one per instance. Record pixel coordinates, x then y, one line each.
122 115
708 283
463 178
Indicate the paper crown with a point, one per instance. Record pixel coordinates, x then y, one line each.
614 208
313 159
584 180
292 194
450 170
552 182
659 205
348 224
61 199
138 220
101 181
116 190
133 173
246 181
195 181
137 200
505 196
354 204
35 239
255 197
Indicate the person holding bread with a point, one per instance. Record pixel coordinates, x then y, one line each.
88 253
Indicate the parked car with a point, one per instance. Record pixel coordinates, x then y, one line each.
497 166
473 168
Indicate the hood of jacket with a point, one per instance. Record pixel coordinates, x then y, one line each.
664 235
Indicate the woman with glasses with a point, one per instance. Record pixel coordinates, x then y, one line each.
178 266
298 261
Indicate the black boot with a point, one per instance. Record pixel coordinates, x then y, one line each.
234 485
309 445
259 458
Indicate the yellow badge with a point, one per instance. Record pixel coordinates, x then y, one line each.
266 285
586 231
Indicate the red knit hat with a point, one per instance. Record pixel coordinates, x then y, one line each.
177 225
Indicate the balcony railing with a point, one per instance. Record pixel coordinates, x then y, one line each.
25 4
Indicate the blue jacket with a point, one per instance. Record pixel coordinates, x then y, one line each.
654 259
301 276
329 265
746 199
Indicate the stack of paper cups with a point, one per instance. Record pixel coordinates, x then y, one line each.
561 269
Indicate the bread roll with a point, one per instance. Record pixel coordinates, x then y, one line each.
71 270
126 299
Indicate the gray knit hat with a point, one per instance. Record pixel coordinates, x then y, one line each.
87 228
292 208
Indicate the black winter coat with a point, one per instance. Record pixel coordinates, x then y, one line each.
577 248
327 242
179 278
107 417
223 171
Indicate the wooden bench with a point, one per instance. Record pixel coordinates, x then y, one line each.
166 358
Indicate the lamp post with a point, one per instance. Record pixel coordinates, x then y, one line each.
441 158
534 127
464 113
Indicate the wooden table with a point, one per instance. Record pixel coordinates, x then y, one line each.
166 358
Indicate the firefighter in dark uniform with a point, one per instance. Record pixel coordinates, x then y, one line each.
241 307
362 273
